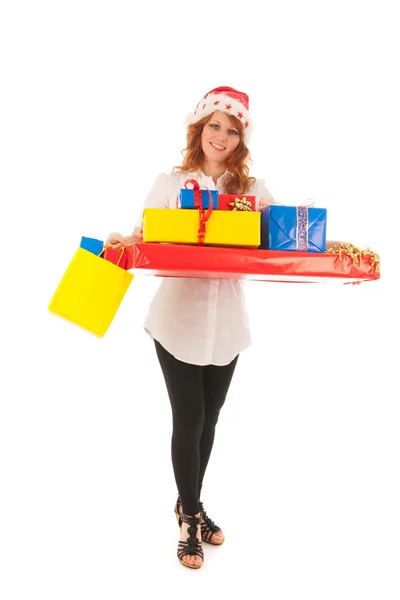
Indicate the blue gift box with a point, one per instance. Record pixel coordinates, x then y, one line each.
293 228
186 198
92 245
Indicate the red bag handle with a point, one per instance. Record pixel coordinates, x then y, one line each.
121 248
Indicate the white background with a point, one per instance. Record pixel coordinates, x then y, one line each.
304 472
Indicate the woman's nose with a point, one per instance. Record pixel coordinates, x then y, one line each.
222 135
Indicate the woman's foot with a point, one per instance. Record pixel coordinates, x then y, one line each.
211 533
190 551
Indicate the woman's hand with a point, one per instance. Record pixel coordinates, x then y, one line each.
117 240
266 202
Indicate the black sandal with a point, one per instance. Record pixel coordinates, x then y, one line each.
208 528
192 546
176 510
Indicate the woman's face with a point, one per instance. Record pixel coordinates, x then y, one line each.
219 137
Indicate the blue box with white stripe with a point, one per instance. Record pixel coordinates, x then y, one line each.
293 228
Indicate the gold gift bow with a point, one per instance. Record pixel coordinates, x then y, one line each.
356 254
240 204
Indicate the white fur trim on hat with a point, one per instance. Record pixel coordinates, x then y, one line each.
225 100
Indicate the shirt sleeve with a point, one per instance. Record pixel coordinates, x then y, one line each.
157 197
263 195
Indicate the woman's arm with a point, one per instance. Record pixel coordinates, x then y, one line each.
263 195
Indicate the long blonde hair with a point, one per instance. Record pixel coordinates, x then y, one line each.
237 164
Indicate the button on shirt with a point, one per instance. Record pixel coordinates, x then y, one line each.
199 321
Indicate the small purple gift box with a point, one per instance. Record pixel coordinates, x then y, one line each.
293 228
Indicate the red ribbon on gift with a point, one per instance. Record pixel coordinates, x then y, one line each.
203 214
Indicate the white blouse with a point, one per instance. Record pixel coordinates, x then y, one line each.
199 321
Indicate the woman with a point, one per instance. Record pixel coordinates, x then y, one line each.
200 326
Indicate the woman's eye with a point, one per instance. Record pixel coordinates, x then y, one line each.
230 131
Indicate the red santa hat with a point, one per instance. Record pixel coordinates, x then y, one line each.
227 100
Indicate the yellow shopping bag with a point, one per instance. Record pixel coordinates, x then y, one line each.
91 291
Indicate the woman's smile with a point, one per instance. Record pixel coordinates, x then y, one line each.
217 147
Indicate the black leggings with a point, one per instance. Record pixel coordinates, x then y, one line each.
197 394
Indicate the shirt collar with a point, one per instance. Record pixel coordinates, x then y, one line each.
223 176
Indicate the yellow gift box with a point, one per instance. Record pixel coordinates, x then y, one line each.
223 228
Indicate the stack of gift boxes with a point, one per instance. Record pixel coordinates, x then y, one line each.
233 221
206 217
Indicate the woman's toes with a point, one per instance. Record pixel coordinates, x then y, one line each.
192 560
218 537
